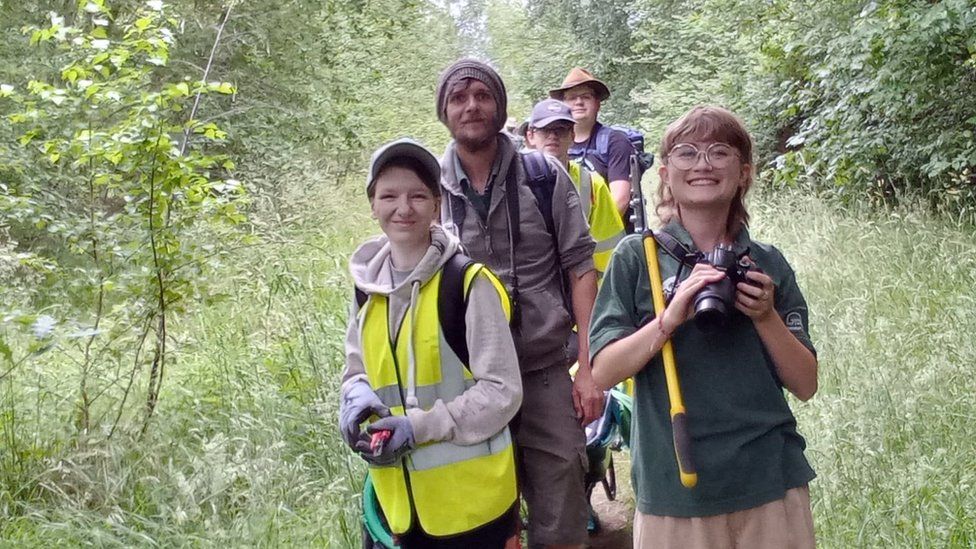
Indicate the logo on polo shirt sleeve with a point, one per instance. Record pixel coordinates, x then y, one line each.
794 321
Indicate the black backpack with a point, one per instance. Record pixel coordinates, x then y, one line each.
452 303
602 149
634 135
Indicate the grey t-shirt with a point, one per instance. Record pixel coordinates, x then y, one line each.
399 276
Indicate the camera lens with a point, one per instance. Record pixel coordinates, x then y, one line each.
710 314
713 305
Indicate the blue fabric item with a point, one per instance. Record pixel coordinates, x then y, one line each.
358 403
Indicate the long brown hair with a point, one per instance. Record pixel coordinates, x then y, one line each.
707 122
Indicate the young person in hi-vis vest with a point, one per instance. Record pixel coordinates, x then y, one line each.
550 130
445 474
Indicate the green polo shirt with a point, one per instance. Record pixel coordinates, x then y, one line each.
744 439
481 202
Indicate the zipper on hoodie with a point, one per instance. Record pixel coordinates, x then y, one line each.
403 401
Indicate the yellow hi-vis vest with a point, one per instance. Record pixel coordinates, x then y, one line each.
606 225
449 488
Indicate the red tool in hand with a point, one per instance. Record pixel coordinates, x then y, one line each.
378 440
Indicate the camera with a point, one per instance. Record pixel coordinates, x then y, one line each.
715 303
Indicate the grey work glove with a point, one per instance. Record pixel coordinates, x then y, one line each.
358 403
400 441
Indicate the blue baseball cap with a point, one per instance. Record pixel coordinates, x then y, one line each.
548 111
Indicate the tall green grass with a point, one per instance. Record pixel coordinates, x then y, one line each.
893 313
244 450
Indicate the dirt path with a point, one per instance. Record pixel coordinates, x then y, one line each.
616 517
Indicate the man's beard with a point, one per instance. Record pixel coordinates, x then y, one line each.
476 144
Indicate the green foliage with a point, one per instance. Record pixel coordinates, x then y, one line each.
536 43
600 36
532 58
891 304
714 70
244 450
882 100
104 235
118 209
856 100
321 84
105 211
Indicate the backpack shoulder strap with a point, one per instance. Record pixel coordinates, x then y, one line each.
603 142
456 209
512 205
452 304
542 182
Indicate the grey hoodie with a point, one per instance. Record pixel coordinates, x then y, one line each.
485 408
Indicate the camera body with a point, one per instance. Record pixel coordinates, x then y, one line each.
715 303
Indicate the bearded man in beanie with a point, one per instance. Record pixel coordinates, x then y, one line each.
489 204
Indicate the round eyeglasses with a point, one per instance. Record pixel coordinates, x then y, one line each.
684 156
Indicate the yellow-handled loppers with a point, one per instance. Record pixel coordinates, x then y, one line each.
679 419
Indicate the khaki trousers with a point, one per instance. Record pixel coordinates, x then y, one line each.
782 524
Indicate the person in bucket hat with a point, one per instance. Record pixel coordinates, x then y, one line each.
584 94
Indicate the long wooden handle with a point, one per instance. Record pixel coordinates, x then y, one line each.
679 420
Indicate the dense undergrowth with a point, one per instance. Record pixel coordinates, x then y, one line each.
245 450
891 306
240 446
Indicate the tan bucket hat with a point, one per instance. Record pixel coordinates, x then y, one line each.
577 77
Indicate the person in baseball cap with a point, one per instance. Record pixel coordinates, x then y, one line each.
431 378
551 131
405 152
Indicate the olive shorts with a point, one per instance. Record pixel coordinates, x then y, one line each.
552 459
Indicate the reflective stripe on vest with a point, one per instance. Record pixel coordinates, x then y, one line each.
606 226
449 488
586 190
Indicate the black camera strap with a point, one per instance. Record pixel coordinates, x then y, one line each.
675 249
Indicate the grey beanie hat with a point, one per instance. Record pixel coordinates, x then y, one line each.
482 72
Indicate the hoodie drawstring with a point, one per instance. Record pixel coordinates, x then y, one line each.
412 401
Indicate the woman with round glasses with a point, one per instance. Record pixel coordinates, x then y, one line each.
752 473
